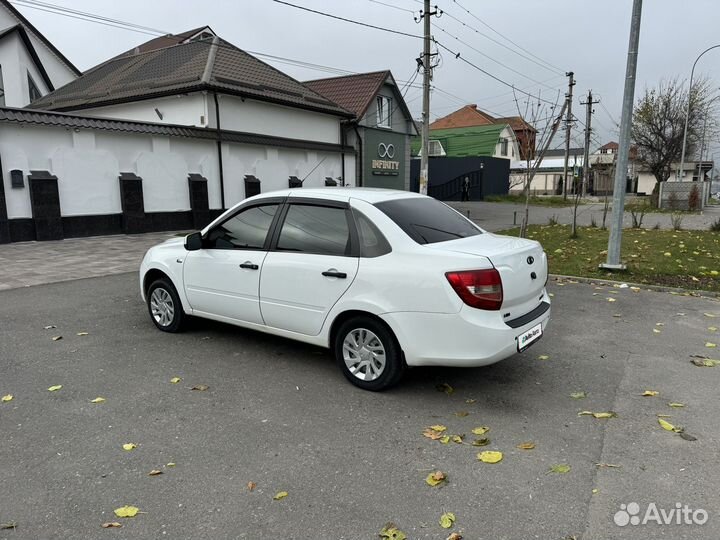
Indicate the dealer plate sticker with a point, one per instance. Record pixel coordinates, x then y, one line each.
529 337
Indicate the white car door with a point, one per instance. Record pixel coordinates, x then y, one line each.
223 278
313 262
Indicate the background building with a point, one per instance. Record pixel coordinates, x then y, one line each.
381 129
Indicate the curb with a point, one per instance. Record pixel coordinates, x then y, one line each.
658 288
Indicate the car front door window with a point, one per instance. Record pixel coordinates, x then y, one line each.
245 230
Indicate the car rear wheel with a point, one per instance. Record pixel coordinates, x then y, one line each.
164 306
368 354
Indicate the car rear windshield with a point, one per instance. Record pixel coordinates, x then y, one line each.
427 220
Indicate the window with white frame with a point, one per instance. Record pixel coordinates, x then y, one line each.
435 148
503 147
384 111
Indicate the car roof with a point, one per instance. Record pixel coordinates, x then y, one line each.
371 195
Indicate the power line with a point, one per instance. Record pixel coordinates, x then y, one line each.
469 27
559 70
491 58
498 79
392 6
352 21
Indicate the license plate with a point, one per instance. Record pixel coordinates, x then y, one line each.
529 337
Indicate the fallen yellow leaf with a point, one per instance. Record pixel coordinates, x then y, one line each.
82 333
251 486
482 430
526 446
6 398
490 456
97 400
676 405
171 464
611 300
454 536
57 338
200 387
543 357
127 511
711 315
391 532
445 387
111 525
710 345
55 388
470 400
668 426
436 478
457 439
280 495
447 520
444 439
608 414
461 414
129 446
656 331
481 442
155 472
439 428
650 393
562 468
175 380
712 328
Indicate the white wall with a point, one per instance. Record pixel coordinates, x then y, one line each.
16 63
184 109
268 119
88 163
513 151
59 73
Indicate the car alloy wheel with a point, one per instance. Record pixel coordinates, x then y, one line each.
368 353
162 307
364 354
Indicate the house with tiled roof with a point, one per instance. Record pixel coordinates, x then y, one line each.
30 65
470 116
165 136
381 129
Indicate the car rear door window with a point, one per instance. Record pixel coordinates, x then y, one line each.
427 220
315 229
247 229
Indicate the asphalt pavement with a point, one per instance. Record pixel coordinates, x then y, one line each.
280 415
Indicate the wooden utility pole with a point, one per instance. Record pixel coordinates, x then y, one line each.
568 129
427 77
588 130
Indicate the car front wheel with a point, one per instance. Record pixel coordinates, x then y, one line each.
164 306
368 354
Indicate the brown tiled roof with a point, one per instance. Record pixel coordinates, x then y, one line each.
352 92
468 116
213 65
612 145
164 41
517 123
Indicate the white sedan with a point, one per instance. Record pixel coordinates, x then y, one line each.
386 279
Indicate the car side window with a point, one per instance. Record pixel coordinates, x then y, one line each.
247 229
372 241
321 230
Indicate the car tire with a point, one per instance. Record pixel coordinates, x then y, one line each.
164 306
368 354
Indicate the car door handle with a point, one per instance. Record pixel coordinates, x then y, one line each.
334 273
249 265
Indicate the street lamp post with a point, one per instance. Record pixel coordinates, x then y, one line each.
687 110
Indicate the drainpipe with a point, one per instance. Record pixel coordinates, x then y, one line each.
342 151
219 151
359 180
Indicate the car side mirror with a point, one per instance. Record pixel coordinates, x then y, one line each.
193 241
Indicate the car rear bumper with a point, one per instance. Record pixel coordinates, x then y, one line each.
469 338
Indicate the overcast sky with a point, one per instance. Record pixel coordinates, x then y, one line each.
585 36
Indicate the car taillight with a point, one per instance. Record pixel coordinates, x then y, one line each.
480 289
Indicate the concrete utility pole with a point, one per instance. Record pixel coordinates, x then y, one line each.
427 77
588 130
568 129
618 204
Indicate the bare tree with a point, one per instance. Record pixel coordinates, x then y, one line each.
542 119
659 122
